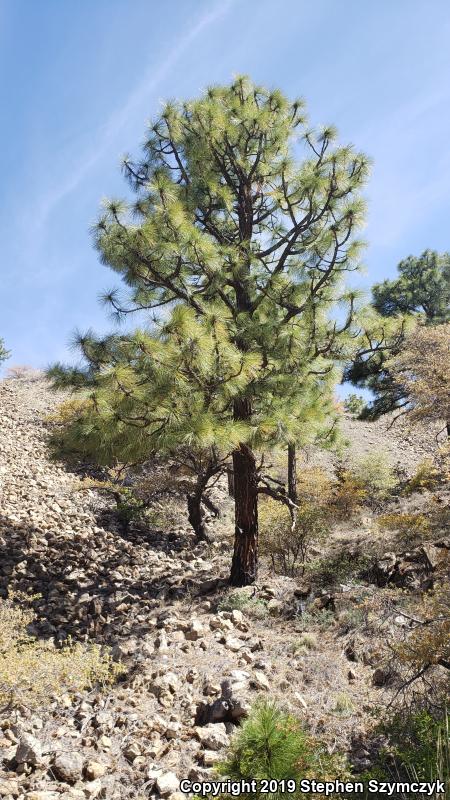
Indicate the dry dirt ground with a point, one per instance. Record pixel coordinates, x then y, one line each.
194 659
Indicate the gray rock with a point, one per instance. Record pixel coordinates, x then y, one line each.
68 766
167 784
29 750
94 770
213 736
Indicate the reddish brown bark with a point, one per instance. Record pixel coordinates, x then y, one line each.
230 477
244 566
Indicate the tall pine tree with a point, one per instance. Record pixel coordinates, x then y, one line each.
240 204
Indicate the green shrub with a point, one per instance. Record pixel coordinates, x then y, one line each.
348 495
354 404
288 546
321 618
272 744
340 567
31 670
314 486
343 705
307 641
417 748
353 617
374 473
409 527
427 476
427 644
241 601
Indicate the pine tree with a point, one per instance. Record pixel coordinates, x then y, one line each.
170 393
422 290
241 205
422 287
3 353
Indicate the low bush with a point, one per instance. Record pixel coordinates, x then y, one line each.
321 618
339 567
343 705
240 601
314 486
353 617
417 749
427 644
409 527
271 744
374 473
426 477
32 670
307 641
288 545
363 479
348 496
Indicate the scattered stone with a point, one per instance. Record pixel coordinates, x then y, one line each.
195 631
209 758
94 770
68 766
259 681
29 750
233 644
173 730
213 736
9 788
167 784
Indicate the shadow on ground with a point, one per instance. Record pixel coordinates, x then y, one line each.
100 585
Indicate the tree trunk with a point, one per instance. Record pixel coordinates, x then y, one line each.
292 473
195 515
245 557
230 476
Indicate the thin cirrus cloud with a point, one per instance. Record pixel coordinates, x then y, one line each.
406 138
107 133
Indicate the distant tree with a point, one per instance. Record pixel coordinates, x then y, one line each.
422 371
225 216
423 287
354 404
422 290
4 354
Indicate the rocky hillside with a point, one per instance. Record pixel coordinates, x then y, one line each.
195 658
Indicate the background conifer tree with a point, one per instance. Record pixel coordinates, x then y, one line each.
241 205
422 287
3 353
422 290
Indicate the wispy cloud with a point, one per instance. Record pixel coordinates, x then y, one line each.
404 189
106 135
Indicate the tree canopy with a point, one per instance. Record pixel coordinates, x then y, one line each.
422 287
244 215
3 352
422 370
422 291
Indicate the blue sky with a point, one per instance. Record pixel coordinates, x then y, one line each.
80 79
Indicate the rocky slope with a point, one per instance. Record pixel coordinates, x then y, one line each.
192 668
